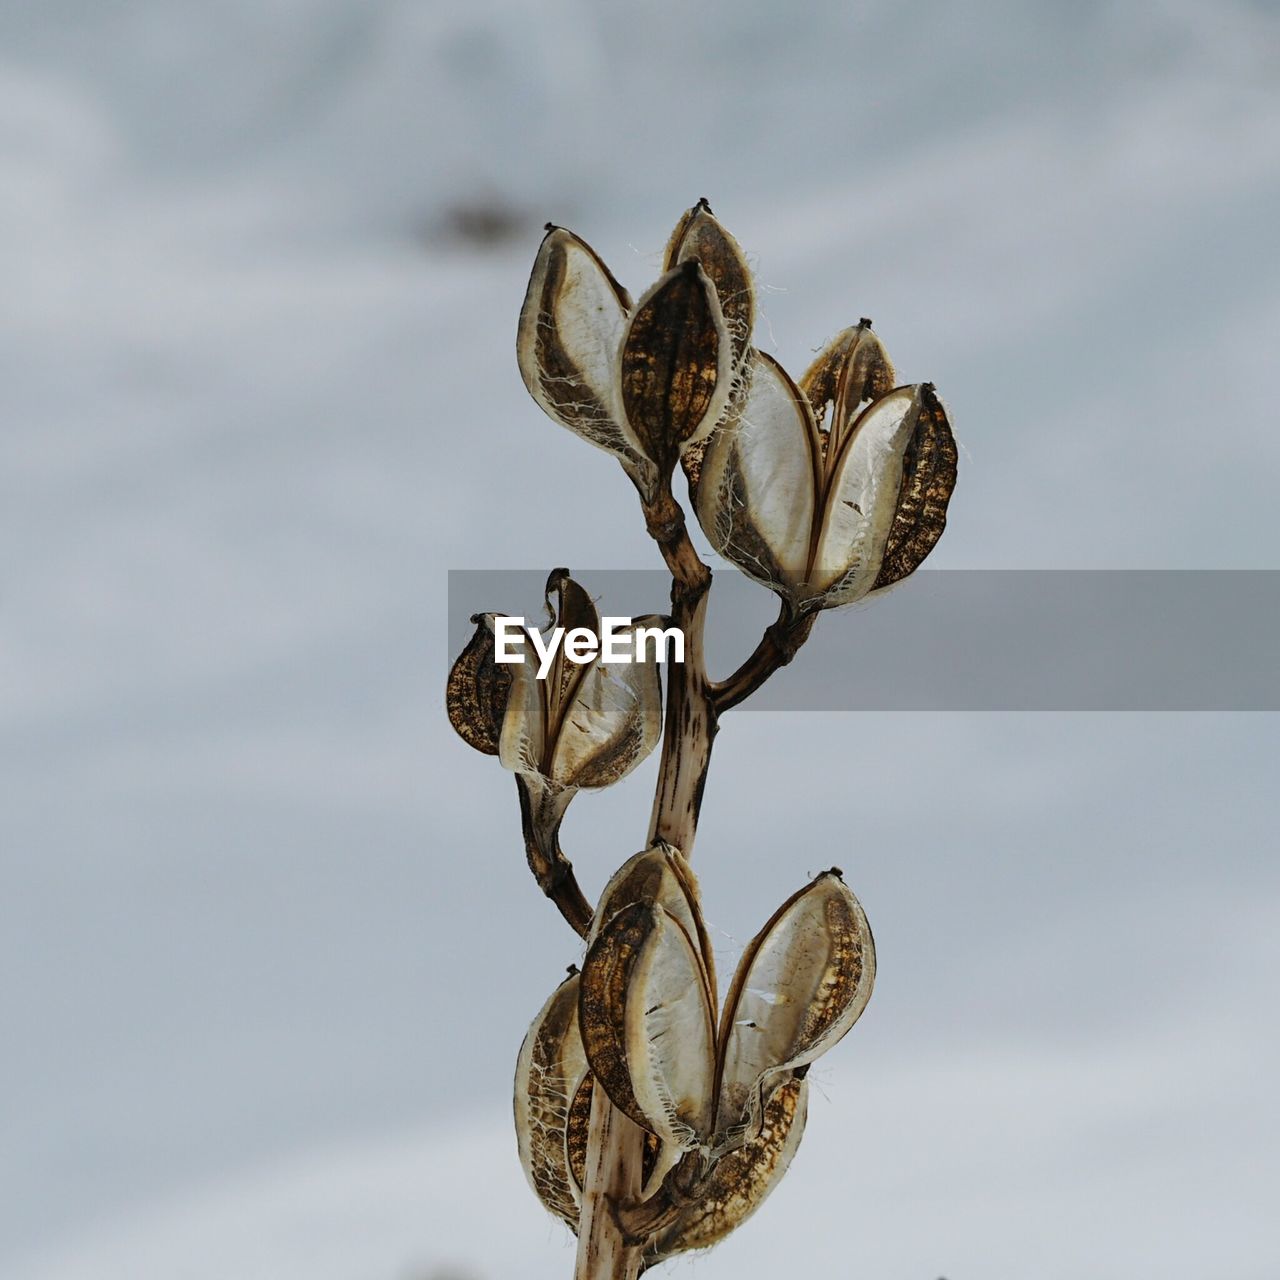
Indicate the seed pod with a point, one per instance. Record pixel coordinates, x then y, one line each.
550 1072
803 981
758 492
732 1099
585 724
853 369
928 477
700 237
741 1180
862 499
824 518
570 330
647 1023
478 690
660 876
675 368
648 383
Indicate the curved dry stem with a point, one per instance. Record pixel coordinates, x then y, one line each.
552 870
779 644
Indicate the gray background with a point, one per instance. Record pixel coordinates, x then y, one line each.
267 945
965 639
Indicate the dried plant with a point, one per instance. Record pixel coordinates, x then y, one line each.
649 1119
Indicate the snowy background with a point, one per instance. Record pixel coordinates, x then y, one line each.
267 945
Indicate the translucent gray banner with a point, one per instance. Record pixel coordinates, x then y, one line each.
972 640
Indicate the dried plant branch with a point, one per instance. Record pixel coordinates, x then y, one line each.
779 644
646 1122
615 1161
689 729
607 1249
665 520
551 869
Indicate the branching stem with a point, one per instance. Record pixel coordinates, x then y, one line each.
614 1227
615 1146
779 644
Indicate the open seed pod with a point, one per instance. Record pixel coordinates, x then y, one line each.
648 943
647 1010
570 330
741 1180
733 1098
801 984
584 725
550 1071
829 490
675 367
642 381
699 236
479 689
559 722
661 877
553 1089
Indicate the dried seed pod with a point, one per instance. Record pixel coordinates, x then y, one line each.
660 876
851 370
676 366
928 477
647 1004
730 1099
570 330
825 517
550 1072
863 488
642 383
699 236
741 1180
478 690
647 1023
803 981
586 724
759 489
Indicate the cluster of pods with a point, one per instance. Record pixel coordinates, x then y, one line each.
721 1094
825 489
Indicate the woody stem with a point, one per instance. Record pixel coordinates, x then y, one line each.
615 1145
779 644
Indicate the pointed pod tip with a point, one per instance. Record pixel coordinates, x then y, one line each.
838 872
571 970
704 204
865 322
550 226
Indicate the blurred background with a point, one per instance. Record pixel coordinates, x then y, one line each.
267 942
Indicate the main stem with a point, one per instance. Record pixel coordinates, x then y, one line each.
615 1145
